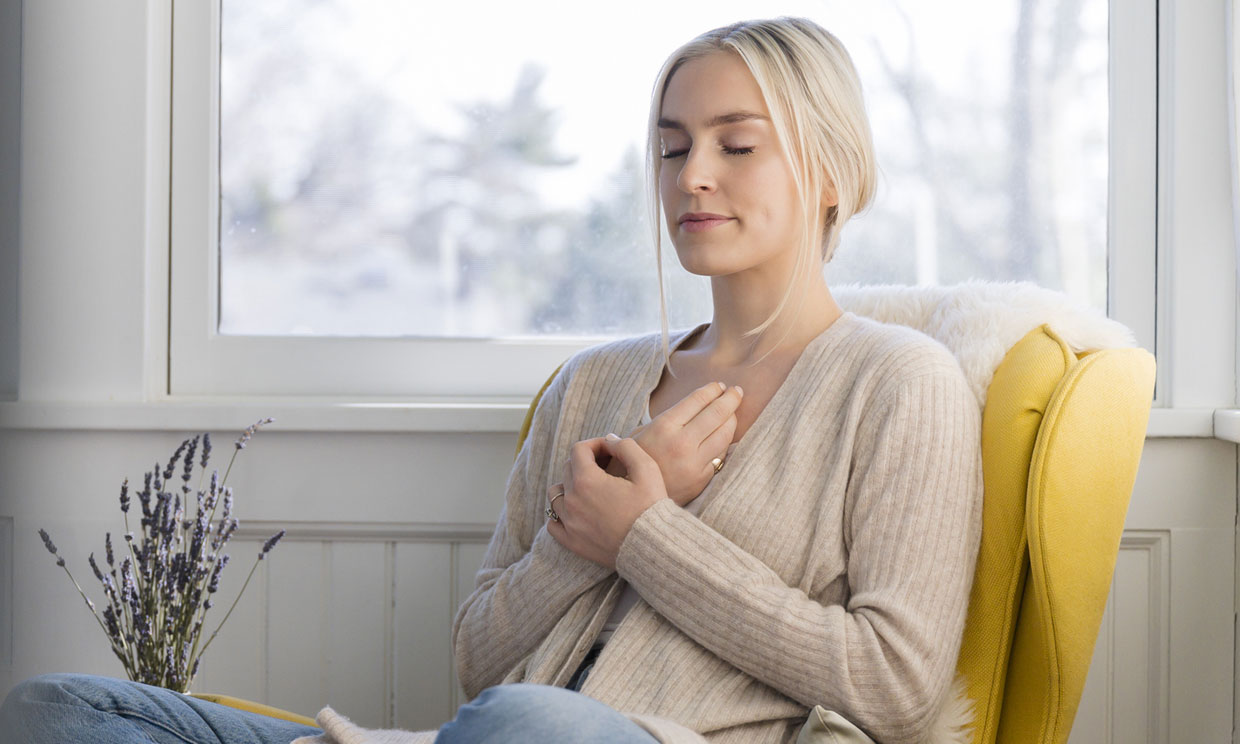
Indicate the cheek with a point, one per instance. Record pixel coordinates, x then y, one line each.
667 183
774 184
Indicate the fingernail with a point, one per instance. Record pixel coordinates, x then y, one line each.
723 388
612 437
741 392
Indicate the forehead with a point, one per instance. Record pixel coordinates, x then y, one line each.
703 92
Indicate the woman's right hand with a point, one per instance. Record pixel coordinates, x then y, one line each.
686 437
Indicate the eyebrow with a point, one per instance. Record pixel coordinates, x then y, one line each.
720 120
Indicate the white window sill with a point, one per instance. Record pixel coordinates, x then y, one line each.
502 415
491 415
1227 425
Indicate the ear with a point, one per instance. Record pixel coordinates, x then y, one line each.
830 197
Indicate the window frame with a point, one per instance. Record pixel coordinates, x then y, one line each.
202 364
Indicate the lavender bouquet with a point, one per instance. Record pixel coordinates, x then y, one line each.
169 574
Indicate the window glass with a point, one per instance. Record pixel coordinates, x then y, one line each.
475 170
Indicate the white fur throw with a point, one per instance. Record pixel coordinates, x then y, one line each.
979 321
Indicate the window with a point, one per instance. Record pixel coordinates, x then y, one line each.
402 211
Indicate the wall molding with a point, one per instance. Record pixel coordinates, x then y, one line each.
370 532
490 415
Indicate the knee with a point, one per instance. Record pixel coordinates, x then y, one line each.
520 697
508 713
36 689
58 687
25 697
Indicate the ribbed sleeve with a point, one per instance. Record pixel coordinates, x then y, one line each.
527 580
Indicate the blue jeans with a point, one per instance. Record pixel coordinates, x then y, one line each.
62 708
523 713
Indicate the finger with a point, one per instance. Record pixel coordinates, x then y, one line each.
639 465
557 531
583 458
692 404
566 475
712 416
556 495
716 445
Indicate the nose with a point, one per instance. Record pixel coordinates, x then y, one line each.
696 174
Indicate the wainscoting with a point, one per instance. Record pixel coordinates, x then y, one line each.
360 616
1130 663
356 616
354 608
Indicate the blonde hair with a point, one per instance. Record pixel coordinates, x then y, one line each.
812 91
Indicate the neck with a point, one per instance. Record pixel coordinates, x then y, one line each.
742 303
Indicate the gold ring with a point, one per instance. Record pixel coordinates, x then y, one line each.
717 464
552 515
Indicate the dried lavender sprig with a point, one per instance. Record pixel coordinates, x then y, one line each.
214 585
240 443
109 590
267 547
95 567
271 543
249 431
125 496
206 456
173 462
189 465
51 547
228 614
144 496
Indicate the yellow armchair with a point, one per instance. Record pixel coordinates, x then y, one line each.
253 707
1062 434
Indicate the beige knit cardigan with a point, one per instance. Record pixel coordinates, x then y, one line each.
832 565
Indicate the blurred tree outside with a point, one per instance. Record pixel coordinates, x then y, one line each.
348 209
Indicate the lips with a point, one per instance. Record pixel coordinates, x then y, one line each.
701 216
701 221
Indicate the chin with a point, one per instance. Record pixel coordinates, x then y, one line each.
694 262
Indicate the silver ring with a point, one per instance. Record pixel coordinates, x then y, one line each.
717 464
550 511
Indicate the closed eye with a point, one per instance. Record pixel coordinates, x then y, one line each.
726 149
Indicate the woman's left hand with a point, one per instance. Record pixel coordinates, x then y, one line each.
597 509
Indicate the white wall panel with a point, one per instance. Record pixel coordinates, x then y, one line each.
6 592
359 600
1125 697
298 638
423 615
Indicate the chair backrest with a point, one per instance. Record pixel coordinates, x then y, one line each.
1064 413
1062 435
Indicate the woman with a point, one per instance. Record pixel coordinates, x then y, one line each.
794 516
